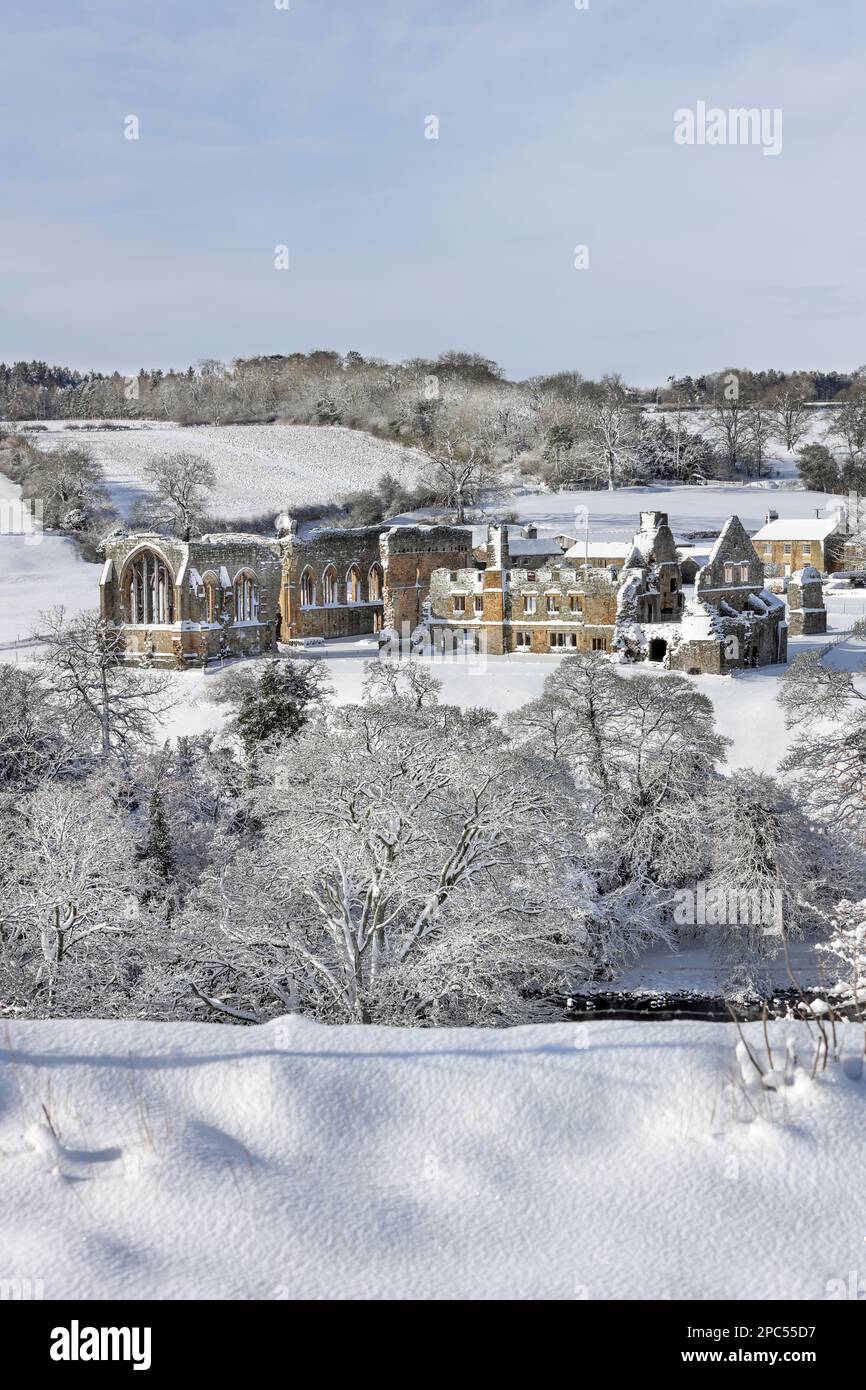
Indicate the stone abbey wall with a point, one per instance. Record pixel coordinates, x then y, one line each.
183 602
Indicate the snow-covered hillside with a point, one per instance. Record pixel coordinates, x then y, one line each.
259 468
266 467
779 460
595 1160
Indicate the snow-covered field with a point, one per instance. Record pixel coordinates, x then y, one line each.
267 467
614 515
588 1161
259 468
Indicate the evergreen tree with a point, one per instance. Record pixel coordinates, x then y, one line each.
159 848
275 707
819 470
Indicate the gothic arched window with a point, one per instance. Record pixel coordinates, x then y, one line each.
211 597
353 585
329 585
374 583
308 589
149 590
246 598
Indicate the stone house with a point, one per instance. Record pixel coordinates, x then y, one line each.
642 612
507 607
793 544
180 602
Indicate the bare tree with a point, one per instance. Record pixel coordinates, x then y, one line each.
410 680
458 470
758 426
182 483
727 424
99 701
791 411
607 434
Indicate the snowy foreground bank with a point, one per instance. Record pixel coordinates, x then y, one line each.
595 1160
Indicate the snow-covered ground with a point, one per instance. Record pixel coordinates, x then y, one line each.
593 1160
614 515
36 573
259 468
266 467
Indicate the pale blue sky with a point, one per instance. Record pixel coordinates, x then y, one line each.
306 127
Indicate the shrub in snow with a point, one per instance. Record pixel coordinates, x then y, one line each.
846 950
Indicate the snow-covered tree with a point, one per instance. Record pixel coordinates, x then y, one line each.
827 760
845 948
607 435
408 871
271 701
31 745
789 404
401 679
71 889
642 750
759 426
101 704
458 469
182 483
769 873
848 424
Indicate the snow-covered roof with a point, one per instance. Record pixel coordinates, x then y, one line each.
797 528
604 550
771 600
524 545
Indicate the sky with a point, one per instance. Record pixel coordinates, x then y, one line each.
307 128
